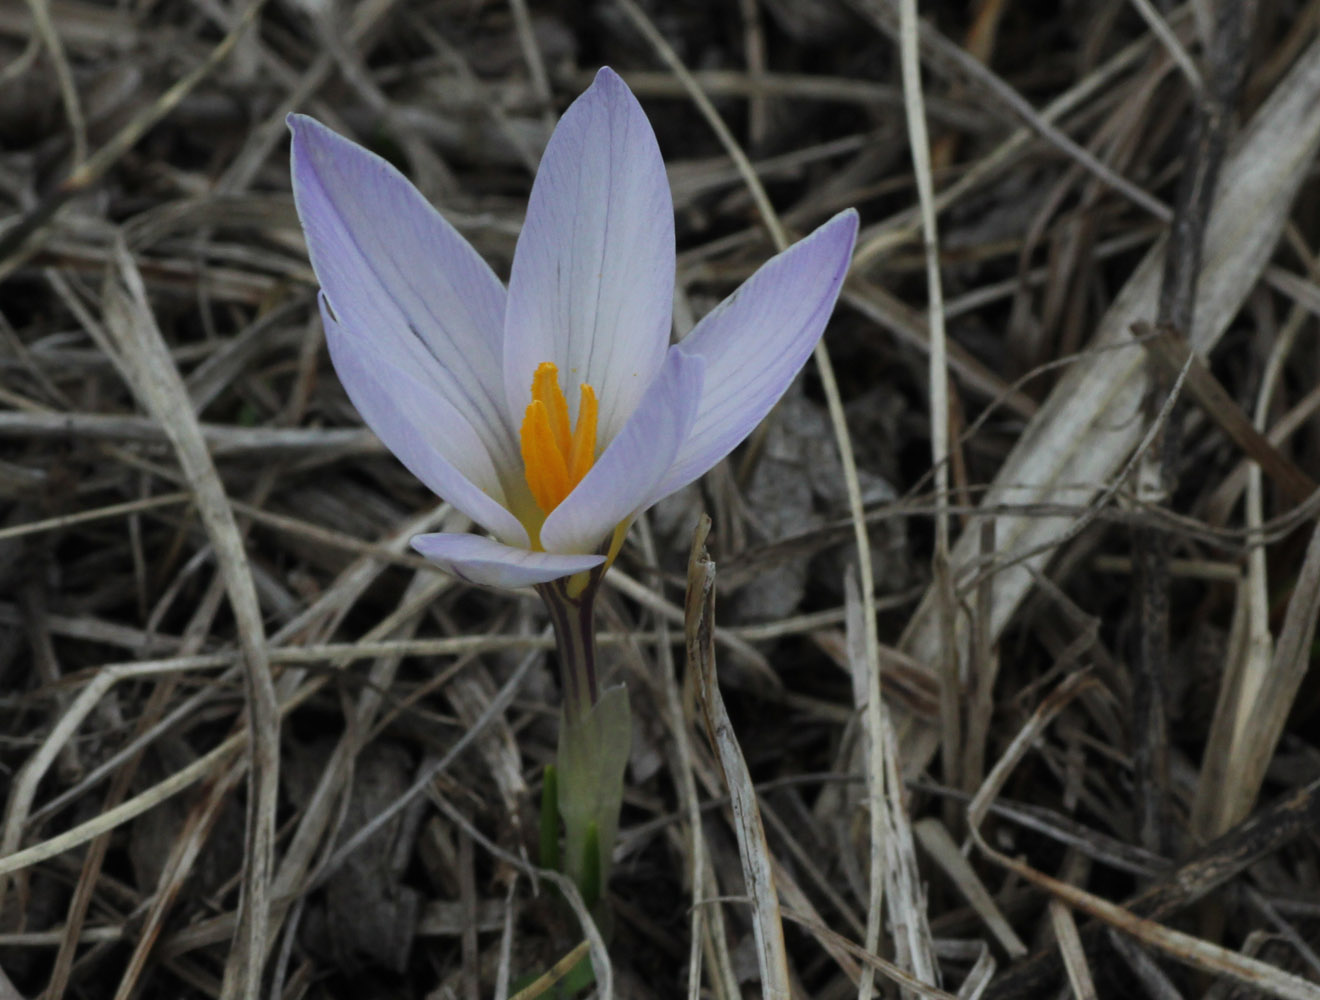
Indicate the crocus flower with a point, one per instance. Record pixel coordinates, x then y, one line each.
555 412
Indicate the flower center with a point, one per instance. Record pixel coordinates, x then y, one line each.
556 458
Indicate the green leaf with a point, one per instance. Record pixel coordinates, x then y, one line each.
550 818
591 863
582 976
593 754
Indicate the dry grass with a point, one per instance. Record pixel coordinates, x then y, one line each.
1017 590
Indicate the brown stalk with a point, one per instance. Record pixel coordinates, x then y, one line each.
1203 153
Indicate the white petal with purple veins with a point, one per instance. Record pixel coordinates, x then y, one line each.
436 442
401 278
486 562
592 286
757 340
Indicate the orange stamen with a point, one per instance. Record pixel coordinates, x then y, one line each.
545 387
583 451
547 473
554 459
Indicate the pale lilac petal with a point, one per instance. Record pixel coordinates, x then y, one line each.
757 340
425 432
592 286
487 563
401 278
624 480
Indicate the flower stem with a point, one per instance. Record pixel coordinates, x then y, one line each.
573 618
594 738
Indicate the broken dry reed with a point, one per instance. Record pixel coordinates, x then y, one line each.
767 924
253 746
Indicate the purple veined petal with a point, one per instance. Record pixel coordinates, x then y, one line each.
624 480
402 278
423 430
757 340
592 285
488 563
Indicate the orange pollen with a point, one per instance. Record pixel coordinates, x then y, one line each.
555 459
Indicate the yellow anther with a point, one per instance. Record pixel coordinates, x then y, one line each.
545 387
547 472
583 450
554 459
